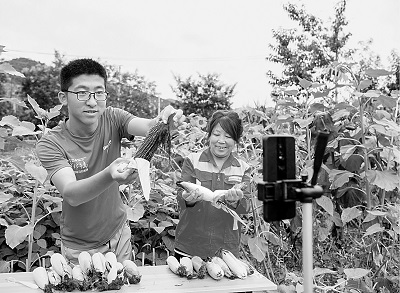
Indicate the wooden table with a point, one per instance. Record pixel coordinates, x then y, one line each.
159 279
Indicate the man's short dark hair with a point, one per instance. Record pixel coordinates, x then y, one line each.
78 67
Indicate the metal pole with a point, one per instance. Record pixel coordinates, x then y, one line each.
307 247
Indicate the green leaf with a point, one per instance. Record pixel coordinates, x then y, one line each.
378 213
258 247
134 214
8 69
271 237
321 271
42 243
375 228
3 222
15 234
41 113
356 273
384 179
159 229
349 214
291 92
21 131
37 172
386 101
319 94
4 266
317 107
9 120
39 231
304 122
4 197
377 72
392 127
305 84
364 84
339 177
353 163
326 204
342 113
162 225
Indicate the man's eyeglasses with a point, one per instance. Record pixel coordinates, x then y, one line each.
85 95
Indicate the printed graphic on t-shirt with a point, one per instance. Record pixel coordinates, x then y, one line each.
78 165
105 148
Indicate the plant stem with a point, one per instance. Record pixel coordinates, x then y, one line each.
30 241
365 154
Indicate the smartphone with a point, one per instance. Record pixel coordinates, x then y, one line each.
279 163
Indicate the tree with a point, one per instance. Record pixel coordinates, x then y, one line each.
315 46
42 84
203 96
131 92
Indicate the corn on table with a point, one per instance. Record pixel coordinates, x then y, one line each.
157 279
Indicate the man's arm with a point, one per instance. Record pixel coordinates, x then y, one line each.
76 192
141 126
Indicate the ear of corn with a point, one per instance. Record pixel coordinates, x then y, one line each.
158 135
40 277
120 267
233 263
188 265
111 260
54 278
248 267
60 265
199 266
112 274
227 271
214 270
99 262
77 273
131 271
175 266
85 262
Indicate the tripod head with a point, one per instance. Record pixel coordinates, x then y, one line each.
280 189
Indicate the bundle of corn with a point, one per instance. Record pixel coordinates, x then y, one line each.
158 135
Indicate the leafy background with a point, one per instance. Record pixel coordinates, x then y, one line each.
322 87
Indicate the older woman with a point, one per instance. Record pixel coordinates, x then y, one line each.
204 228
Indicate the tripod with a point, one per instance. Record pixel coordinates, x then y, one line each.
280 190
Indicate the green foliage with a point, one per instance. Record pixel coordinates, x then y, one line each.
203 96
132 92
314 45
42 84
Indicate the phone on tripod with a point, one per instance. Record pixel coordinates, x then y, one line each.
279 171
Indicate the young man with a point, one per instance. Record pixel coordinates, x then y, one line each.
82 155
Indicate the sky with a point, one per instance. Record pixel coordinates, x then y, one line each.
163 38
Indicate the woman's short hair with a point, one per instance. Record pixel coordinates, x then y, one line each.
78 67
229 121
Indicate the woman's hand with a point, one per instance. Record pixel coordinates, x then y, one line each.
233 196
191 197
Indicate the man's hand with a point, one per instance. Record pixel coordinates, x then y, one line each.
168 111
122 174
